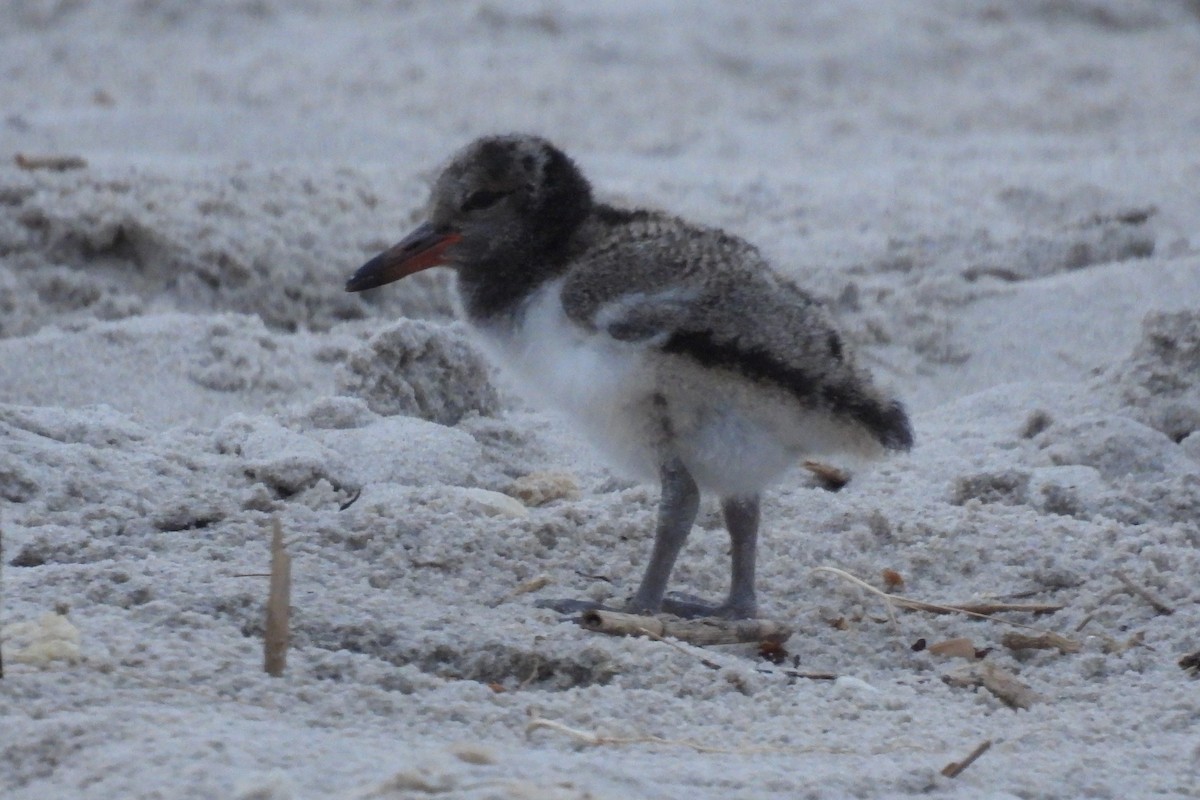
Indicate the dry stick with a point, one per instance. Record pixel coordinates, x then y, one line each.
888 599
619 624
811 676
275 639
1145 594
532 585
980 610
533 673
53 163
955 768
1046 641
697 631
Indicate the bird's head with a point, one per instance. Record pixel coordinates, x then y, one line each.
517 195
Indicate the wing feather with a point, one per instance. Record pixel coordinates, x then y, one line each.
702 295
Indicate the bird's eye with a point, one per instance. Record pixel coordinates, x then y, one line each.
483 198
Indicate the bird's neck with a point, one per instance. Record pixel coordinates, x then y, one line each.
496 285
494 288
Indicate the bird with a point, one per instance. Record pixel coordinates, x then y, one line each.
676 348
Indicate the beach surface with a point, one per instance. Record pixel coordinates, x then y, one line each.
998 201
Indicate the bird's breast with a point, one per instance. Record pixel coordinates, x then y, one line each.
604 385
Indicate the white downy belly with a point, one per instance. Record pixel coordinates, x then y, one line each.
603 384
639 406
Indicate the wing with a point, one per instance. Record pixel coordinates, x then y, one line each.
649 274
700 294
656 279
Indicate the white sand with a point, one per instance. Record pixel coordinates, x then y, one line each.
992 196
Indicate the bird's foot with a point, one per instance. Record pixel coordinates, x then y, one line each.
690 607
678 604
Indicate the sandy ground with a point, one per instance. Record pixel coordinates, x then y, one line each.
998 200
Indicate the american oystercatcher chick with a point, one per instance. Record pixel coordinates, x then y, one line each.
676 347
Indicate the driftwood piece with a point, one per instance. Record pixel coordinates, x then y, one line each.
52 163
955 768
1043 641
693 631
1000 682
276 637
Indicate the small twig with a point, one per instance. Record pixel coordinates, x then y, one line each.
533 585
795 673
351 501
979 610
53 163
888 599
533 673
955 768
275 638
1046 641
987 609
1159 606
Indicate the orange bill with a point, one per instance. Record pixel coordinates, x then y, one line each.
425 247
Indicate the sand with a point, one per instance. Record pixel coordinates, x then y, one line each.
997 200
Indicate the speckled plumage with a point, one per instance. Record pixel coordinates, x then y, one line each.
677 347
701 294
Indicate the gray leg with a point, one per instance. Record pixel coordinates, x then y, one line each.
741 519
676 513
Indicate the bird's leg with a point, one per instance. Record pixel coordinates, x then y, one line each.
741 520
676 513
